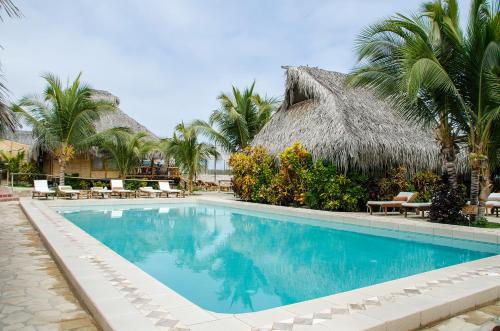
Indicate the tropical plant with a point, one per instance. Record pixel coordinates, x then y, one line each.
330 190
188 152
126 149
394 182
447 203
425 183
238 119
289 185
12 161
253 170
437 75
63 120
8 121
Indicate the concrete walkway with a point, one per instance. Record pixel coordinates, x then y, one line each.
33 293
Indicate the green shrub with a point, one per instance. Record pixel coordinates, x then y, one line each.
329 190
134 184
253 171
425 183
447 204
396 181
99 184
289 185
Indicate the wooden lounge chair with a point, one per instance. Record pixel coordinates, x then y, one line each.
165 188
419 207
396 203
149 192
99 191
41 188
493 203
67 191
117 187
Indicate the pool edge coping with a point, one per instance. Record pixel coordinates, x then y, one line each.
80 270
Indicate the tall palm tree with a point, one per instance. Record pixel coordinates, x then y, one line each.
437 76
406 61
188 152
239 118
63 120
8 121
126 149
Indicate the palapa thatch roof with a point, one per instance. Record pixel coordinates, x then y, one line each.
118 118
348 126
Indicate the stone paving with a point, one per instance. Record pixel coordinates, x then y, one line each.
482 319
33 294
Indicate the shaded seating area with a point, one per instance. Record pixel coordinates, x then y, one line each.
41 189
396 203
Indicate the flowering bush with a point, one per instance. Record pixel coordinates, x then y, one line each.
252 173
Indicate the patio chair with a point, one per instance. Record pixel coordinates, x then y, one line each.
149 192
396 203
100 191
165 188
493 203
67 191
117 187
41 188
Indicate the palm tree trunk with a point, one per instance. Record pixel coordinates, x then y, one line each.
190 182
474 186
485 185
62 168
451 166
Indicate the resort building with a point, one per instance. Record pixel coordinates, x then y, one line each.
88 165
348 126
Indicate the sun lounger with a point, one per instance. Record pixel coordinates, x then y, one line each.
117 187
149 192
493 203
100 191
41 188
417 206
397 202
67 191
165 187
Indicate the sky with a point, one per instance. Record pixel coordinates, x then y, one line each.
168 61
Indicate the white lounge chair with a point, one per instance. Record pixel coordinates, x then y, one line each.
117 187
397 202
493 203
149 192
100 191
165 187
41 188
67 191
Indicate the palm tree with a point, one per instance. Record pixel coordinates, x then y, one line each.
187 151
437 75
126 149
63 121
239 118
8 122
407 61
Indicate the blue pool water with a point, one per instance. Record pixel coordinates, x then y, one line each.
232 261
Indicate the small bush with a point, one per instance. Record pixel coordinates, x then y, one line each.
289 185
252 172
134 184
396 181
425 183
447 204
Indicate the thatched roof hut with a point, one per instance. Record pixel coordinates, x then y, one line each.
118 118
348 126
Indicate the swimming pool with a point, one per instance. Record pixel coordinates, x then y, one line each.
229 260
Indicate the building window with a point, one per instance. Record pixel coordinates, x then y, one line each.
97 164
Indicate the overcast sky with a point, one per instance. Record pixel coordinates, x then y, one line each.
168 60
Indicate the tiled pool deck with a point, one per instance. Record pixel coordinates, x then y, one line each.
123 297
33 293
